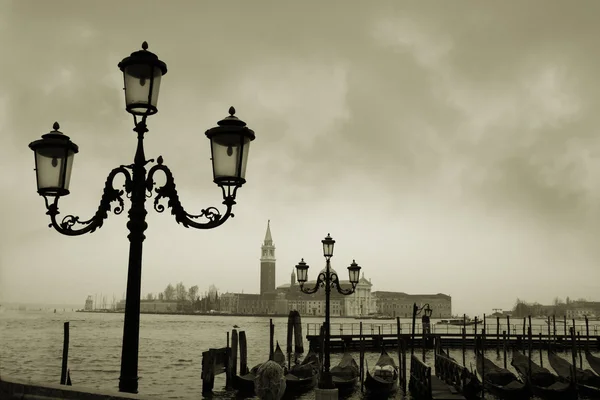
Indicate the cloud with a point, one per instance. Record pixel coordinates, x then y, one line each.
412 123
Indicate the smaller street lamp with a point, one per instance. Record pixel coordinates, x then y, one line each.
416 311
327 278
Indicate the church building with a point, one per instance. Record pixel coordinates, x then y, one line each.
280 300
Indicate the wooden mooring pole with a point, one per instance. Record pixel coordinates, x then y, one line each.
271 338
243 353
579 350
529 348
234 352
503 347
542 350
498 336
464 345
508 329
65 355
401 374
362 357
482 363
573 356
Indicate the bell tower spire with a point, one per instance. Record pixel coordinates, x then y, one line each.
268 239
267 263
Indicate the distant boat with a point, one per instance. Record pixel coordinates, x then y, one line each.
456 322
374 316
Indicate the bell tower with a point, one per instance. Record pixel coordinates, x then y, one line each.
267 263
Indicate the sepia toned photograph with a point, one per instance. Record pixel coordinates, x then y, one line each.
259 199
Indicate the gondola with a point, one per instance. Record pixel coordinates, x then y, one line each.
593 360
588 383
245 383
542 382
279 356
303 377
499 381
345 375
384 380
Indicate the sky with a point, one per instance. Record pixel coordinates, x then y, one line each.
447 147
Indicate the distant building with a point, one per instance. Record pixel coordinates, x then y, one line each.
398 304
582 309
89 304
158 306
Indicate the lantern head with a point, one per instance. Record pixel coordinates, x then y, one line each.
230 143
354 273
54 154
142 72
328 243
302 272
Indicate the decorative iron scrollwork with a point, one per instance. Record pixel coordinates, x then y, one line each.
168 191
333 281
109 196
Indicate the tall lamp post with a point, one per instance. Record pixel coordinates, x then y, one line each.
54 152
417 311
327 278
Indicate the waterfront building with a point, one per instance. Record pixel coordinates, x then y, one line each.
399 304
158 306
582 309
249 303
89 304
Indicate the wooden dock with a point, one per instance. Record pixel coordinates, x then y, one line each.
424 385
376 335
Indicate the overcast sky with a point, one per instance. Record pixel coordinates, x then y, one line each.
446 146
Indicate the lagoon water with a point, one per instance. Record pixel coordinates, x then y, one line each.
171 349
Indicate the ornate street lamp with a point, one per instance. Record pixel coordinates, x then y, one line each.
416 311
54 152
327 278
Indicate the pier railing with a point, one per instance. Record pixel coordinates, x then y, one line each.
390 328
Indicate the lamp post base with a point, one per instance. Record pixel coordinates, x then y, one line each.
326 394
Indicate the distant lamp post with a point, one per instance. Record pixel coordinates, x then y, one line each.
417 311
327 278
54 152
